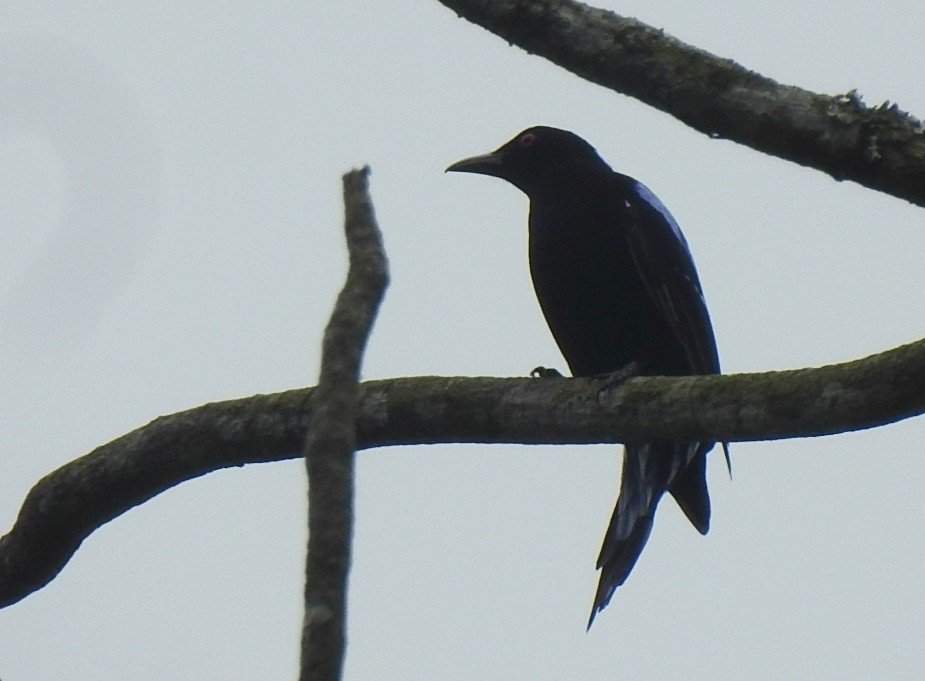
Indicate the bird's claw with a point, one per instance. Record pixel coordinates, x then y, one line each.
545 372
614 379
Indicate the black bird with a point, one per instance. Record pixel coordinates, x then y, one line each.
617 285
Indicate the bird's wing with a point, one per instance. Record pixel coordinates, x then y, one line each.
664 263
663 260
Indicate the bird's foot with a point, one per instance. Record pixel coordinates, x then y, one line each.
545 372
614 379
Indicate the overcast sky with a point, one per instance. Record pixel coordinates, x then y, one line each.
170 228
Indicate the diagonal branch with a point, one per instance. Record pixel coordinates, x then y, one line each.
67 505
330 446
879 147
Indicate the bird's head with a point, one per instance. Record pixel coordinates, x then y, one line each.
535 159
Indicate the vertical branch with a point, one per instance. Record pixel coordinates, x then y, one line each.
331 442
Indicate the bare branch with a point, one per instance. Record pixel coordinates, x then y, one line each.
67 505
879 147
330 446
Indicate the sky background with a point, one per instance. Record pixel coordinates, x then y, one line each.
171 234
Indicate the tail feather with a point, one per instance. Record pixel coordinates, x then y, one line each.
619 564
649 470
689 489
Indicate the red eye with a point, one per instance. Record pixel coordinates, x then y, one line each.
527 139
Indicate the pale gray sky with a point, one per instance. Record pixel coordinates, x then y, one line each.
170 224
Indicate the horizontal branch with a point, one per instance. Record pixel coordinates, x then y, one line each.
67 505
879 147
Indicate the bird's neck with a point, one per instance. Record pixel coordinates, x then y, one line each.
572 182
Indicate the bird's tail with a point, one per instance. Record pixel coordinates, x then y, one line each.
649 470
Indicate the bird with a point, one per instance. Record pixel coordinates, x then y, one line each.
616 282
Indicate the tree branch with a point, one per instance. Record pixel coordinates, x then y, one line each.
67 505
330 445
879 147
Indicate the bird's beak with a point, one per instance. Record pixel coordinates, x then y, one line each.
486 164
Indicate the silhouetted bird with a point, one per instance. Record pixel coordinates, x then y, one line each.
617 285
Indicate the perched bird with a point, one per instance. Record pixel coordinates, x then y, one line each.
617 285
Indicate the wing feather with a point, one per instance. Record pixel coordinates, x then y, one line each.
664 263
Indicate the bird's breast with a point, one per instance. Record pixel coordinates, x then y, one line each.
591 293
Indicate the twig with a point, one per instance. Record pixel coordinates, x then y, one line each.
330 446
